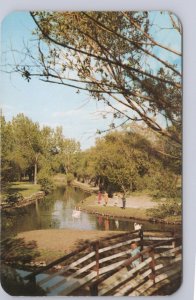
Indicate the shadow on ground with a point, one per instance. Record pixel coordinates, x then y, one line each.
17 251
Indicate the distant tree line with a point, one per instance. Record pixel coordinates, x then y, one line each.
134 158
34 153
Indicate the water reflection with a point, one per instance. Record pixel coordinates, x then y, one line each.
56 211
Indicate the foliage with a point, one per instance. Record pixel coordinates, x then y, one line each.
166 185
46 184
28 150
69 177
167 208
127 161
113 55
13 198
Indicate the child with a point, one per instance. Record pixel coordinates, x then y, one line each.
134 251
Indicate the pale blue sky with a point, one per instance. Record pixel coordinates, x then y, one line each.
55 105
48 104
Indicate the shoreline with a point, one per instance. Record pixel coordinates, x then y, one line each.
89 205
25 202
84 186
147 219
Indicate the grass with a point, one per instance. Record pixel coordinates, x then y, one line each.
128 212
25 188
172 219
48 255
135 213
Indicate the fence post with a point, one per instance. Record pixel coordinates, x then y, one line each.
141 236
94 286
96 249
94 289
152 265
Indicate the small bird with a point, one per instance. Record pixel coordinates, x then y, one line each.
137 226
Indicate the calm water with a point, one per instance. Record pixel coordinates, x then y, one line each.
56 212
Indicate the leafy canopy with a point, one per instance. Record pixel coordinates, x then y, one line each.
117 58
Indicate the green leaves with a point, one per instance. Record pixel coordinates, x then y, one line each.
27 150
113 54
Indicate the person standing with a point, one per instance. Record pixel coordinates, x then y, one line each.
106 198
99 197
123 201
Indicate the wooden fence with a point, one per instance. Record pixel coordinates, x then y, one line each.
102 267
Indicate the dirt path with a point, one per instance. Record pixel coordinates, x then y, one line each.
141 202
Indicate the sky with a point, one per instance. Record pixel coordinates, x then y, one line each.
50 104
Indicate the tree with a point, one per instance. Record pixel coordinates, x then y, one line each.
27 142
8 173
117 58
123 161
63 152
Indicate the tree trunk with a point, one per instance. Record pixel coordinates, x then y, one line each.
35 173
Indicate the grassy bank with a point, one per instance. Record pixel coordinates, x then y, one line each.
84 186
137 208
44 246
89 205
25 188
11 199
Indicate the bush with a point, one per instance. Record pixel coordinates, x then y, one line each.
169 207
70 178
46 184
13 198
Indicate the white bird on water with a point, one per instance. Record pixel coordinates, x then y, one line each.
76 214
137 226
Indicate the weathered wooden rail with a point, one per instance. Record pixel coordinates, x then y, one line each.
101 267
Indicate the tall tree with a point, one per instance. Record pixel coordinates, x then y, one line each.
8 172
28 141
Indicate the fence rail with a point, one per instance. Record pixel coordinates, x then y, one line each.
99 261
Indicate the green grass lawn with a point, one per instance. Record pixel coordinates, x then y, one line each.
25 188
113 210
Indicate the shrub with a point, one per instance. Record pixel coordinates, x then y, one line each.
46 184
13 198
169 207
164 183
70 178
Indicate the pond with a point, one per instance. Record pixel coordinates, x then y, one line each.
55 211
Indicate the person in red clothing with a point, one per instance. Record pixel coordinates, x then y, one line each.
99 197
